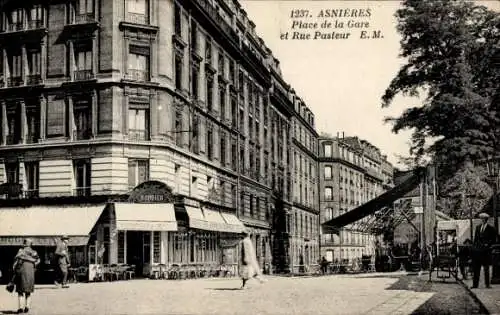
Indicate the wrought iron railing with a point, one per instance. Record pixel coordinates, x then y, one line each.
32 138
15 27
15 81
215 16
84 75
33 79
83 18
84 134
31 193
137 75
12 139
81 191
138 135
137 18
35 24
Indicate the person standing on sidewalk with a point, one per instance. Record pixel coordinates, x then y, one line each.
484 237
249 266
62 261
24 279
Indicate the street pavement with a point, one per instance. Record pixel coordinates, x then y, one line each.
336 294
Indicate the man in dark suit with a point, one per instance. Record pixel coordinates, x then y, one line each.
62 261
484 237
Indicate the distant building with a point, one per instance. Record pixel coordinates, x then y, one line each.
352 172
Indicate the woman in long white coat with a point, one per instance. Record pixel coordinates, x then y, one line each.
249 266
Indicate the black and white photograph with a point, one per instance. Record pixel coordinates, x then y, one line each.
250 157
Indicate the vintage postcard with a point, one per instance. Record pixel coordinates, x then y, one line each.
249 157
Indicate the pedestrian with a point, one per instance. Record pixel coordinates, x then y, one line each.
324 265
249 265
484 237
464 256
62 262
24 275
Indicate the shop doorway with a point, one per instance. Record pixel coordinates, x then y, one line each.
138 250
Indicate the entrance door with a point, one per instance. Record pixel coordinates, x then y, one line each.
135 252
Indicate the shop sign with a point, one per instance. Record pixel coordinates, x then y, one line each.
152 192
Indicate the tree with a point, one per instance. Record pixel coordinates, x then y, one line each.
451 51
464 193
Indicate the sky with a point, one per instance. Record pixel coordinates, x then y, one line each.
341 81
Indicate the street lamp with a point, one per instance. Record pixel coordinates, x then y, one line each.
493 174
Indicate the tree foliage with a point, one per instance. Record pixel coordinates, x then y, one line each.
452 55
464 193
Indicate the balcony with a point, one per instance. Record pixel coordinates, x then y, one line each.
81 192
138 135
83 75
15 81
34 79
12 139
137 75
15 27
137 18
213 14
84 134
31 193
86 18
35 24
32 138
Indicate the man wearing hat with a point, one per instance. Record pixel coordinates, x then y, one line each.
484 237
62 261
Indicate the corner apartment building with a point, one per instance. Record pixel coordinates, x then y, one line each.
99 97
352 172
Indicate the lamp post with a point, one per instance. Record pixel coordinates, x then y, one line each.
493 174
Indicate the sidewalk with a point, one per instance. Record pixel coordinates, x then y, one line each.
490 298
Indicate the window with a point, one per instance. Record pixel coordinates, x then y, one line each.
156 246
208 51
138 63
17 20
33 123
16 68
138 172
234 111
82 175
210 92
222 186
195 137
138 123
177 20
223 150
178 128
106 242
194 81
34 62
328 193
328 172
234 155
85 6
328 214
222 99
221 64
242 203
328 150
36 16
178 70
232 77
138 11
13 124
12 171
82 112
251 205
210 140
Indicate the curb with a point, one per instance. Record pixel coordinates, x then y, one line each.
474 296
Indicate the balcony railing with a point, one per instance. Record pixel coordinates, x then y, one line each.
137 18
15 27
214 15
137 75
33 79
83 18
138 135
15 81
31 193
81 191
84 75
32 138
35 24
82 134
12 139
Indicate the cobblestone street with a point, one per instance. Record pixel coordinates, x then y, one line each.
362 294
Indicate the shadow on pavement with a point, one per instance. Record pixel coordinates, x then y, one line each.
8 312
224 289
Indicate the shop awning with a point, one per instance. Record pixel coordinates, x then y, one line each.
386 199
233 222
196 218
215 221
145 217
45 225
